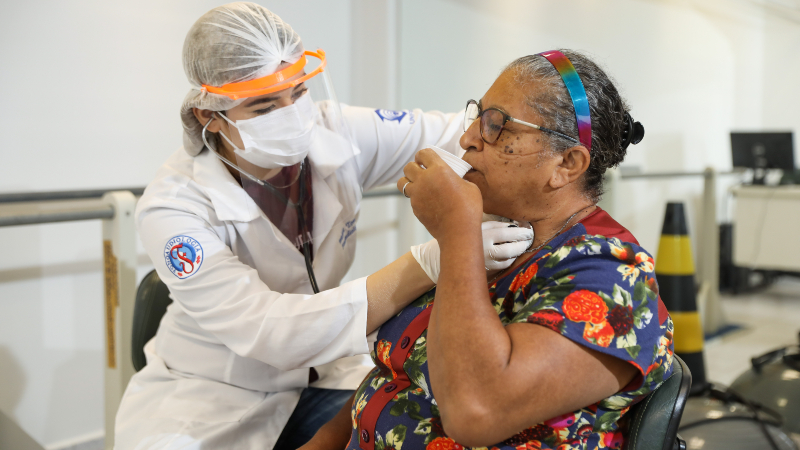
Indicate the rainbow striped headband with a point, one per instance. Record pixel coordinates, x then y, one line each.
576 91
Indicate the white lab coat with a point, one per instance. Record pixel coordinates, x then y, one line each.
232 353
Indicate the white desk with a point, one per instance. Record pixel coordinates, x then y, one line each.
766 227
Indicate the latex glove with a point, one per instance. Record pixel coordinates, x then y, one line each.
502 244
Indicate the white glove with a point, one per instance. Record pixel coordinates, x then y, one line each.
502 244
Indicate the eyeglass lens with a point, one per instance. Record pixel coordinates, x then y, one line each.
470 114
492 121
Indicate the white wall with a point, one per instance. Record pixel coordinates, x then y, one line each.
691 70
90 93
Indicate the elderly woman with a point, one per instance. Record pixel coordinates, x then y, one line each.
553 351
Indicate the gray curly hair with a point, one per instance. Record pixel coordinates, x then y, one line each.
607 108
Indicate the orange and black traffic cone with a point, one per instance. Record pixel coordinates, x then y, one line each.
675 276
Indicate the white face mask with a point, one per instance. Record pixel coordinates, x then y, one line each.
277 139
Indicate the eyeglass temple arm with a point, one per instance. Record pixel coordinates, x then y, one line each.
543 129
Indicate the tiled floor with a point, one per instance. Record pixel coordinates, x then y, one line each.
770 319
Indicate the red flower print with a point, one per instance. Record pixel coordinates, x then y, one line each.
530 445
575 241
384 356
547 318
522 279
642 262
570 444
613 439
585 431
585 306
645 262
443 443
508 304
621 320
436 425
535 433
601 334
652 284
565 421
624 253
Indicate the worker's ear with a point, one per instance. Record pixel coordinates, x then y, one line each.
204 115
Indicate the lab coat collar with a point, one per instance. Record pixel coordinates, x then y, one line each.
231 202
327 206
328 158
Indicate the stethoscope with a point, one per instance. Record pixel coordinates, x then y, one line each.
298 206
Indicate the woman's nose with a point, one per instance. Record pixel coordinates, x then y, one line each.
285 101
471 139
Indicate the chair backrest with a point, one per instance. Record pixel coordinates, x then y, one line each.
152 299
654 420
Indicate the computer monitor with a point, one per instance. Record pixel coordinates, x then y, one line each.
762 151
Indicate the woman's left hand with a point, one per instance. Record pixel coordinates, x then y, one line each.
442 201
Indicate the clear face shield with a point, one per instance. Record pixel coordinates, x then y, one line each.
298 120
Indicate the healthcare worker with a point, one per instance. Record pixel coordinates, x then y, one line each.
248 220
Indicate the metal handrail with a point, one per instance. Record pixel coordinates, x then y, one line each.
20 197
98 212
627 176
101 212
384 191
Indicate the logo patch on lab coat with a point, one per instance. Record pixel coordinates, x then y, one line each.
183 256
347 230
390 115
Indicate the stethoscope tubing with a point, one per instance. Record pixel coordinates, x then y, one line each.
301 218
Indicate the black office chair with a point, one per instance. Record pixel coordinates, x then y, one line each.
152 299
654 421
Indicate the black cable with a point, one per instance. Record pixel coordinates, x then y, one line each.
309 269
301 218
729 395
707 421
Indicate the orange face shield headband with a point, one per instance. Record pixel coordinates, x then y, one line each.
270 83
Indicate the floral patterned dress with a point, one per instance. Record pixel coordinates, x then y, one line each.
593 284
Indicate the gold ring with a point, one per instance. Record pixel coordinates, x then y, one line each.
404 189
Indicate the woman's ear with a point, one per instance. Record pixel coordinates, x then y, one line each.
204 115
574 162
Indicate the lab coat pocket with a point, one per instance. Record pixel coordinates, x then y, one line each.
206 401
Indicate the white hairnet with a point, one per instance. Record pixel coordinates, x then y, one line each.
235 42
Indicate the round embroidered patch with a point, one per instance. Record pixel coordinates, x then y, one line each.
183 255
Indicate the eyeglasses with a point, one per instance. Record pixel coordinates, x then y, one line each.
493 120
